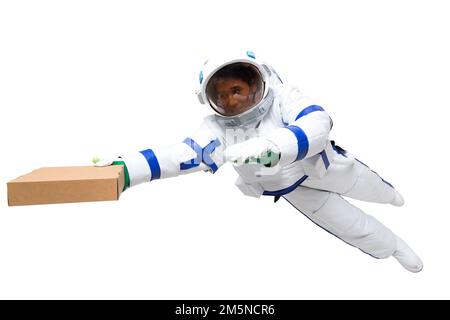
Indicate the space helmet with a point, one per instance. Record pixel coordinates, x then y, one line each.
236 87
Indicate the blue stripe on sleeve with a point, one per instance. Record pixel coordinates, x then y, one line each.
203 155
302 141
153 163
207 151
194 145
189 164
308 110
195 162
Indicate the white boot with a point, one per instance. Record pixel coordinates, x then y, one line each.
398 199
407 258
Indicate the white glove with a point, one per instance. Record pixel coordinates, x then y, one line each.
100 162
104 162
255 150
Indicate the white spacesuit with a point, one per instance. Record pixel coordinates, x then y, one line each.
278 142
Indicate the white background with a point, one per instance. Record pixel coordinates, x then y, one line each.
91 78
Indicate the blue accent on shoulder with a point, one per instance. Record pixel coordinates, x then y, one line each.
153 163
203 155
325 160
200 77
285 190
308 110
302 141
251 54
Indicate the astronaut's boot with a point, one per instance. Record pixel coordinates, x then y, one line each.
398 199
407 258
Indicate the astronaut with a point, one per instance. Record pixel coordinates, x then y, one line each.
277 139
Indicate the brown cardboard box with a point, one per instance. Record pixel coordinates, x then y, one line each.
66 184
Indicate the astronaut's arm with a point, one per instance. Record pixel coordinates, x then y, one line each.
199 152
306 130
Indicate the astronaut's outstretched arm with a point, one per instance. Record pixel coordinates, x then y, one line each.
306 131
198 152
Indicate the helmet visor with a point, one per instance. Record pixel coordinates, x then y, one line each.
235 88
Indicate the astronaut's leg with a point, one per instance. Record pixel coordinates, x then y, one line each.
349 177
369 186
349 223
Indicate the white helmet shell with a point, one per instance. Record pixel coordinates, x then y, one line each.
256 112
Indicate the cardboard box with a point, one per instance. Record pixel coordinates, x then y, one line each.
66 184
